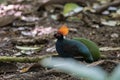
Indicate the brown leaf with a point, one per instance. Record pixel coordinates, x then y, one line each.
33 67
5 20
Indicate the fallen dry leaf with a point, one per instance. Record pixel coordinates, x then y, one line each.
5 20
33 67
40 30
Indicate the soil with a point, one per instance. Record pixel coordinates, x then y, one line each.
102 36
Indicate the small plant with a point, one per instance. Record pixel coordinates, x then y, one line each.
79 70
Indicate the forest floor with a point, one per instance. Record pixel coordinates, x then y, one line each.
17 33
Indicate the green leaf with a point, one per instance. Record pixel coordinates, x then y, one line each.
71 8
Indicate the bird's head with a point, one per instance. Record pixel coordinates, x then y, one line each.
63 31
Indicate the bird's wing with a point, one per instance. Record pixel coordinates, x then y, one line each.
71 49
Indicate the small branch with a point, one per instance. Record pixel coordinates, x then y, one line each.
39 58
109 49
97 63
50 2
23 59
104 7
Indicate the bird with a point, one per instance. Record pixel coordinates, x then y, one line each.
93 48
71 48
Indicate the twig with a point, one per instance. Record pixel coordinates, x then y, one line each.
109 49
23 59
102 61
96 63
39 58
50 2
105 6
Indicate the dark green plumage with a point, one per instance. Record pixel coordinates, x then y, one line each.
93 48
72 48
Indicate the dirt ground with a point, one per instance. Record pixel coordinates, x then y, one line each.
102 36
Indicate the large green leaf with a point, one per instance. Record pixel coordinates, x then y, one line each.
75 68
